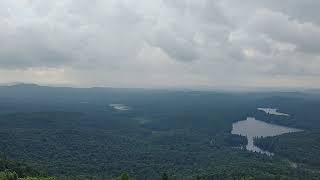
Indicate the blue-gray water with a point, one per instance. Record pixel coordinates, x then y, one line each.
254 128
272 111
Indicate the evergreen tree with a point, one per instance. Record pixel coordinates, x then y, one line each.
124 176
164 176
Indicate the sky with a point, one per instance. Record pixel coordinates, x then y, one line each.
226 44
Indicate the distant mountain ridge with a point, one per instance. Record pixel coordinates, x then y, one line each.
101 88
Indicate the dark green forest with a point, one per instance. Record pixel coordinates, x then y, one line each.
74 133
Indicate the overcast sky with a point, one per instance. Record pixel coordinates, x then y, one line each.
161 43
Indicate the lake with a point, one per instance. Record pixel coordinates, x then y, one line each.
272 111
254 128
119 107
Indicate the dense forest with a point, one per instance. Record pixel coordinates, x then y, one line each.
71 133
302 147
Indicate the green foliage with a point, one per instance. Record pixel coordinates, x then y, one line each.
164 176
74 134
21 170
123 176
7 175
38 178
302 147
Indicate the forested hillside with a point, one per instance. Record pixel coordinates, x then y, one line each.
82 133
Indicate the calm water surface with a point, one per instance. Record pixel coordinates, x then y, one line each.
254 128
272 111
119 107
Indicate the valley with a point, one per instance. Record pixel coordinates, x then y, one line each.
150 132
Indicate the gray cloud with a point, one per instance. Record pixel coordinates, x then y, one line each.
302 11
175 46
279 26
161 43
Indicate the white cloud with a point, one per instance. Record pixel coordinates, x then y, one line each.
185 43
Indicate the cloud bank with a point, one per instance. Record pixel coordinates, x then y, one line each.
161 43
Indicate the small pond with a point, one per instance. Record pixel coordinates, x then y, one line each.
272 111
119 107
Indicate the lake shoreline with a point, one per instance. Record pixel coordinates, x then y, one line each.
252 128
